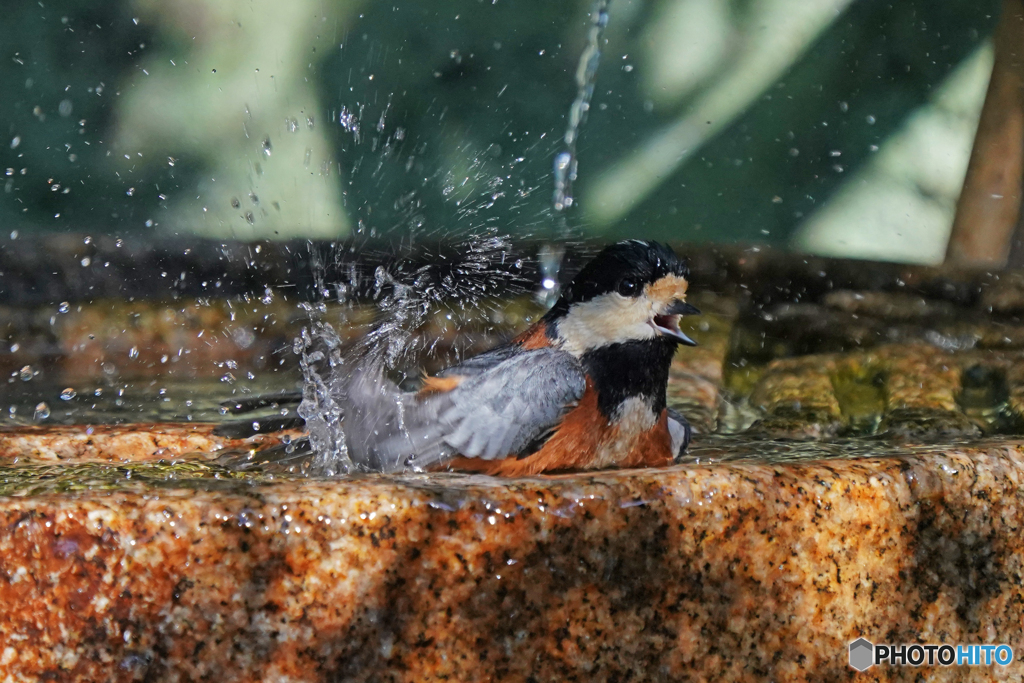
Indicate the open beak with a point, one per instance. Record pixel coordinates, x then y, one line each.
667 324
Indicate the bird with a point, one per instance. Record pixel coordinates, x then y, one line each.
583 388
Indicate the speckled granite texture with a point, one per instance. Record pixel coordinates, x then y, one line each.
121 443
741 572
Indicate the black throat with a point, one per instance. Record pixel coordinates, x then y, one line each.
622 371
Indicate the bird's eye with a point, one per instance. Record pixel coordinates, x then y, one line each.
629 287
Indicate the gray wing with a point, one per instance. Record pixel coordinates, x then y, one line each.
481 362
494 413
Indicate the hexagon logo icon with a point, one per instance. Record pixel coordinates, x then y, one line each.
862 654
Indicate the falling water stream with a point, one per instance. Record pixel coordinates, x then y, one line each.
566 162
565 165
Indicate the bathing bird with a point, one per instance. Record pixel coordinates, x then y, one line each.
582 389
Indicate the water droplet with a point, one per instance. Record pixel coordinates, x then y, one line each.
86 261
348 121
64 307
26 373
844 107
266 146
65 108
130 192
15 141
133 352
68 394
235 204
871 120
292 125
42 412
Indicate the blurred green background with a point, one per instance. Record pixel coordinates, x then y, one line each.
839 127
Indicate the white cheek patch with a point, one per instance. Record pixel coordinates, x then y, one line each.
604 320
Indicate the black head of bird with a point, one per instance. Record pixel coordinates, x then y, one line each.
632 291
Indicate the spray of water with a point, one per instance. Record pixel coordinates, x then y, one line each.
321 405
471 272
478 266
406 285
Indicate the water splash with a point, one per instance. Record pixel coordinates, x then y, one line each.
406 295
390 348
476 268
321 403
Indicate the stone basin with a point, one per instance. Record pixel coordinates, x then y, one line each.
857 473
735 571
